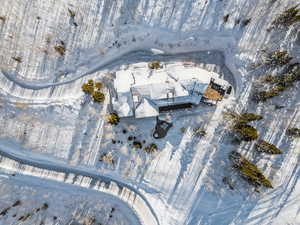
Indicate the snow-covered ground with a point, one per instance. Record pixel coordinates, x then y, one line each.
43 109
48 202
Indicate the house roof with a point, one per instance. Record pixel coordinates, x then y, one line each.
160 90
141 91
146 108
140 74
195 86
123 104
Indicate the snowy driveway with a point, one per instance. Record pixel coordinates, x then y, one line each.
210 60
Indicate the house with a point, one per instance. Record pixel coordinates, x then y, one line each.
142 92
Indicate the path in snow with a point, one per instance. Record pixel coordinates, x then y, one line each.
66 202
128 193
146 47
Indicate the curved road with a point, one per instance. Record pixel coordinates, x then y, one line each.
213 57
110 185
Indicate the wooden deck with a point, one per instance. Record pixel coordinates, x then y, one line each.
212 94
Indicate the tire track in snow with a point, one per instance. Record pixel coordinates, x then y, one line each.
96 140
21 159
187 9
118 54
78 130
291 170
290 176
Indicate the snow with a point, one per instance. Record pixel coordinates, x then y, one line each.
139 75
158 91
43 109
65 203
175 83
146 108
114 187
123 104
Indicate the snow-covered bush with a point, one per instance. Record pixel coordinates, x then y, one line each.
266 147
94 89
71 13
98 96
243 118
2 19
270 79
107 158
262 96
89 220
25 217
253 174
151 148
240 126
45 206
199 132
72 17
278 58
17 203
245 132
226 180
88 87
18 59
278 83
4 211
154 65
294 132
248 117
137 144
114 119
183 130
98 85
225 18
60 49
246 22
249 170
287 18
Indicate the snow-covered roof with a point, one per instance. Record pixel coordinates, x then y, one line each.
175 83
123 104
160 90
146 108
123 81
140 74
195 86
